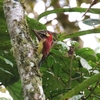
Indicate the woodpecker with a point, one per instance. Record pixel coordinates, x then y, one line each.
45 43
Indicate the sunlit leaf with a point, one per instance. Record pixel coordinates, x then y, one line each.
85 64
75 43
6 71
3 89
64 45
3 98
91 22
76 97
6 61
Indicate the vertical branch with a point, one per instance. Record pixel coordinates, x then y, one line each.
23 50
71 55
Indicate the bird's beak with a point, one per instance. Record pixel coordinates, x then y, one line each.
47 34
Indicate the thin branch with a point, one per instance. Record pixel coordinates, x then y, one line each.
92 90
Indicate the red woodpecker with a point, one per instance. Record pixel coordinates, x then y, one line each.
45 43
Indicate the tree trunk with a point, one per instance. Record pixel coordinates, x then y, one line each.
23 50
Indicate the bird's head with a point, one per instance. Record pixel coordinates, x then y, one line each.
44 34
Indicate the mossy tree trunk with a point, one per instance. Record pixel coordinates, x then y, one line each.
23 50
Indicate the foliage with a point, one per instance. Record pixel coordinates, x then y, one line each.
60 10
4 98
68 72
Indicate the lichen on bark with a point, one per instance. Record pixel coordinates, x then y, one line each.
23 50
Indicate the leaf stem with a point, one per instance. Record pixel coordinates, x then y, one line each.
92 90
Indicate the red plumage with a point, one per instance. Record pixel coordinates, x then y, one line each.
47 38
47 44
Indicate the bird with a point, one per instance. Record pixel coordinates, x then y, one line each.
45 38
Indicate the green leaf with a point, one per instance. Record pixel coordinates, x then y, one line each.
91 22
98 55
8 74
64 45
50 61
33 24
81 86
85 64
3 98
50 83
60 10
74 44
80 33
16 91
6 61
84 71
87 54
97 90
76 97
57 92
4 36
57 69
6 71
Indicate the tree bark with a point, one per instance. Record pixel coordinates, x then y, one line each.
23 50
